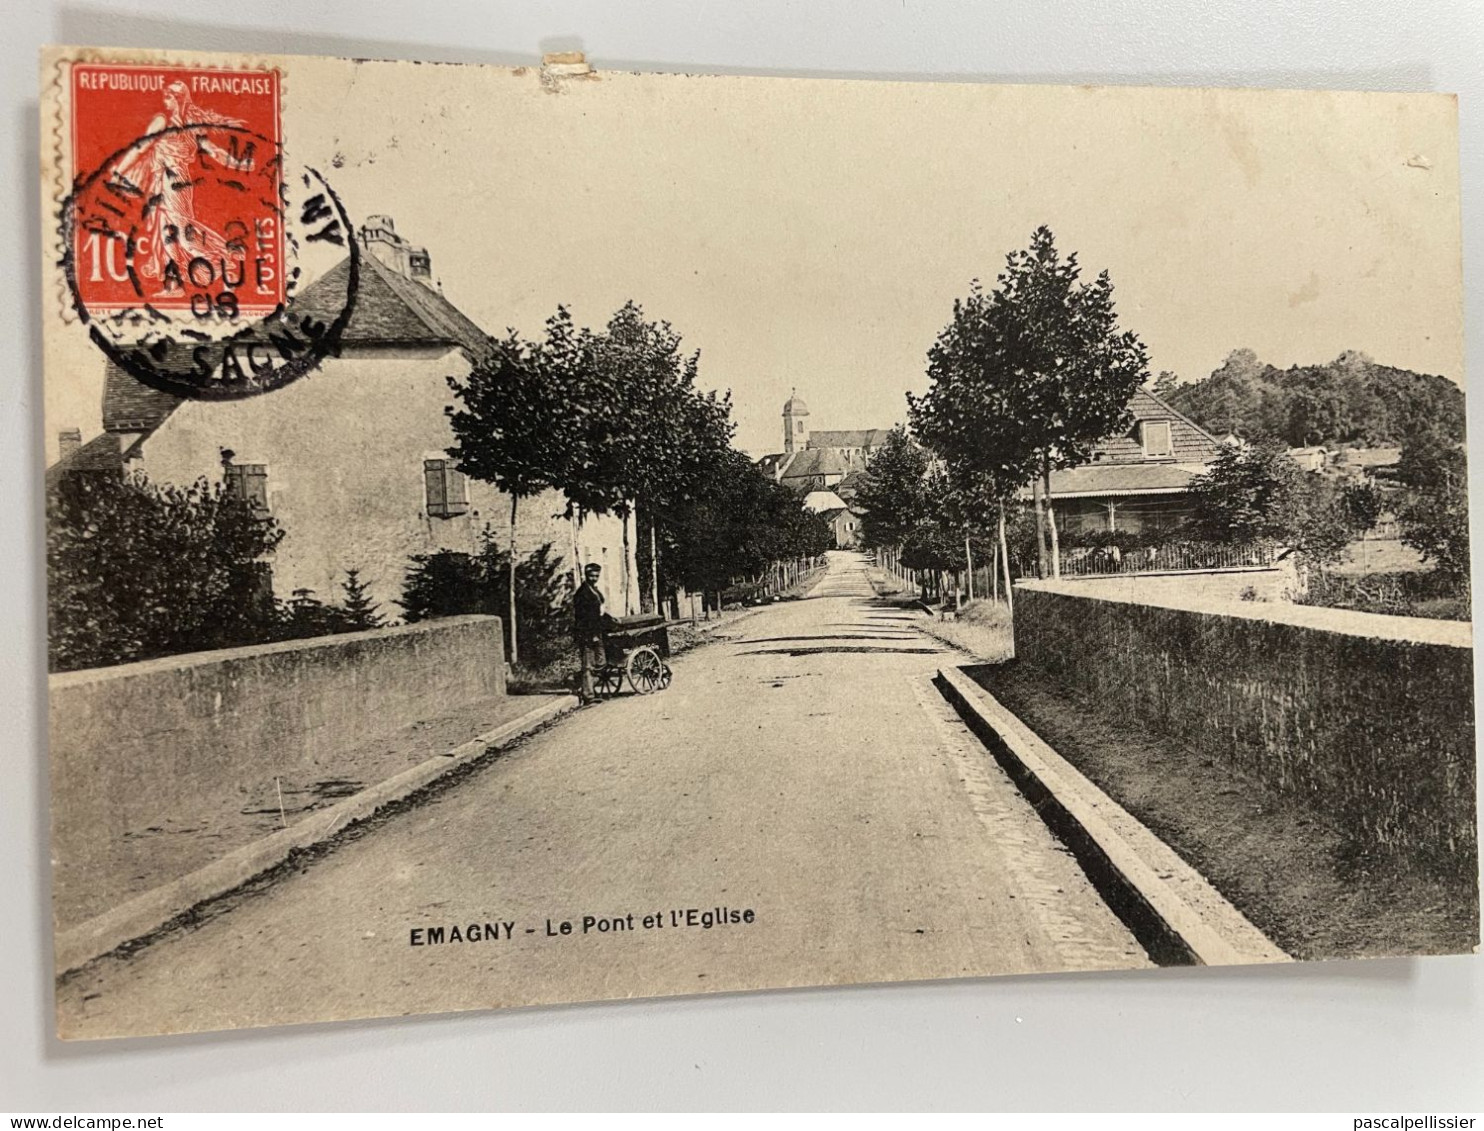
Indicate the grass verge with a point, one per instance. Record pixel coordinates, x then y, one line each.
1287 868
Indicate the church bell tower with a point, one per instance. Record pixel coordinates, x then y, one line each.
795 424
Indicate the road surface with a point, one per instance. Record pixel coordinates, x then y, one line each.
802 769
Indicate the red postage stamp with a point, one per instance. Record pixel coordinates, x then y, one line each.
183 205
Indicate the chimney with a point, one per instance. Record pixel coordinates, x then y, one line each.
69 440
379 237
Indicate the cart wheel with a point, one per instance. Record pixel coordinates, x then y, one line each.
607 680
645 670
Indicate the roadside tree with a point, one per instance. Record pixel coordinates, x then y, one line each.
1434 515
1028 377
517 422
1258 494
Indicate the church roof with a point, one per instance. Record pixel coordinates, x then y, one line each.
850 438
795 405
814 461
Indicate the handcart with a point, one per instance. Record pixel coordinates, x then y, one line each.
635 648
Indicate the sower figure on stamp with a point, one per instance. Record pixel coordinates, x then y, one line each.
587 607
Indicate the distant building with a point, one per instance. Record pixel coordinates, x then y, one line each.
1310 459
1139 479
817 502
845 524
351 459
815 460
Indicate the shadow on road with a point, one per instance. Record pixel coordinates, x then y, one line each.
832 636
842 648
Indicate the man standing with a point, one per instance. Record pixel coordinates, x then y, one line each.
587 608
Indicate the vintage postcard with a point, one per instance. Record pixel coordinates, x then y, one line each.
531 535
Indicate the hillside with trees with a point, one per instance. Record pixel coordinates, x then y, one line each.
1350 400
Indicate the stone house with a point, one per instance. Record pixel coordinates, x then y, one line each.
845 524
351 459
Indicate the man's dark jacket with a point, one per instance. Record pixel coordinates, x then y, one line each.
587 605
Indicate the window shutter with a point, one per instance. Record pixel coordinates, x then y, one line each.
248 482
436 488
1157 438
255 486
455 489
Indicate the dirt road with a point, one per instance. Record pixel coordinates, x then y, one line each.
802 769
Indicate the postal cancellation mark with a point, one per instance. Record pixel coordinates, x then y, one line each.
188 243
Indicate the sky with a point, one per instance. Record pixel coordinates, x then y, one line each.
813 234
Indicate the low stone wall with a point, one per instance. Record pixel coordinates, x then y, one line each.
1274 584
1368 718
134 745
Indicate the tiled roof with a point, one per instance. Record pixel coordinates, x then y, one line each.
130 405
104 452
825 500
814 461
850 438
1096 479
1191 442
390 310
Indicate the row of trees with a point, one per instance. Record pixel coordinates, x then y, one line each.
613 419
1028 377
1025 379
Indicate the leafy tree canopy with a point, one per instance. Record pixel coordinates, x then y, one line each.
1030 376
1257 493
892 492
1350 400
137 570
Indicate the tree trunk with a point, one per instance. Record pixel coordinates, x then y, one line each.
576 552
628 596
994 572
514 643
1039 497
1005 562
969 559
654 564
1051 521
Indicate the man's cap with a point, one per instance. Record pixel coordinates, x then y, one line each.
592 567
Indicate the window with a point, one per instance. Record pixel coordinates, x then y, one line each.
249 482
1157 439
448 490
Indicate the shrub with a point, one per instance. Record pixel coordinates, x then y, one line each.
451 583
136 570
1409 593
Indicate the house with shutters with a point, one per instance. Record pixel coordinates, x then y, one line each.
1139 479
351 459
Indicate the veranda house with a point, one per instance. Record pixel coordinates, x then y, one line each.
1139 480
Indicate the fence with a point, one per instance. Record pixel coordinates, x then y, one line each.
776 580
1175 557
984 582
